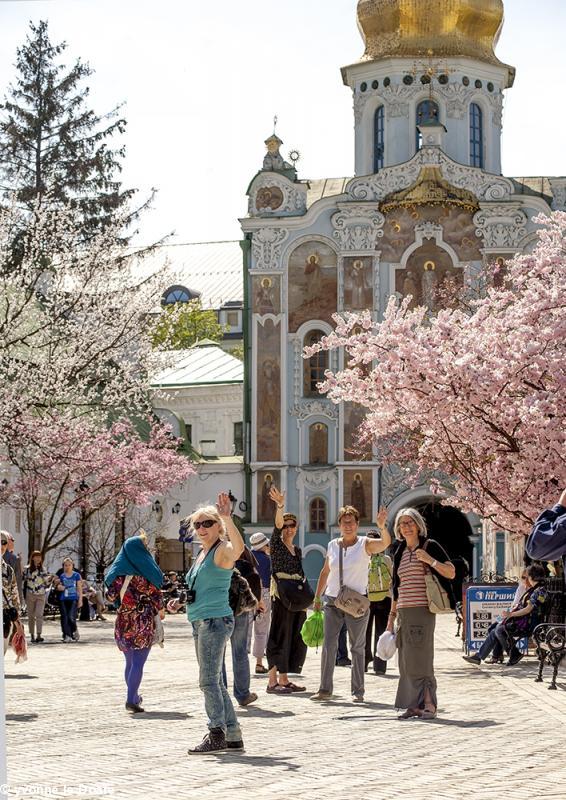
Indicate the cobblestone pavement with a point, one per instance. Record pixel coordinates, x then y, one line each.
498 735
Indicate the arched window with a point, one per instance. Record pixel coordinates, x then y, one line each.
177 294
317 515
476 136
315 366
379 139
427 111
318 443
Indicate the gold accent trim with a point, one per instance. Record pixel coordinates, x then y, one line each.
430 189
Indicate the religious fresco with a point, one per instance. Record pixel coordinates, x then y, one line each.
458 228
358 283
429 277
266 294
268 383
318 443
270 197
358 492
354 415
497 269
313 284
265 505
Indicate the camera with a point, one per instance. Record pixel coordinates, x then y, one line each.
190 596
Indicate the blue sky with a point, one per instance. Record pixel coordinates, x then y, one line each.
202 80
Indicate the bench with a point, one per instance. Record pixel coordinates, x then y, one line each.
550 635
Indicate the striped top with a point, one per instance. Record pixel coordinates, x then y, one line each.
412 586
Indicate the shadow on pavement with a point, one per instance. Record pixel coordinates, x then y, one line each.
255 711
258 761
21 717
162 715
462 723
355 706
458 723
20 677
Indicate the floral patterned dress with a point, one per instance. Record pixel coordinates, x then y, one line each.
135 624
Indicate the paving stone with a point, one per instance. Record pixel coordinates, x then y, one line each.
498 732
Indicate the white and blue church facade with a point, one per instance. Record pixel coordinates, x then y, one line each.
427 203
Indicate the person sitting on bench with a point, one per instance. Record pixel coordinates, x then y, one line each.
517 623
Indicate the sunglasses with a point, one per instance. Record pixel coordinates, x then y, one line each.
206 523
290 525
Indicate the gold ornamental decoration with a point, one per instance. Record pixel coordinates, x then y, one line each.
430 189
409 28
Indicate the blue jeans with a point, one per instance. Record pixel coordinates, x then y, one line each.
210 637
498 640
68 616
240 660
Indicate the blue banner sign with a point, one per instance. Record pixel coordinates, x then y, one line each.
485 604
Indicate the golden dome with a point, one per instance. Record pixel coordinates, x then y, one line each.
415 27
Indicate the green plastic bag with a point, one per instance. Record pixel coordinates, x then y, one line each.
312 631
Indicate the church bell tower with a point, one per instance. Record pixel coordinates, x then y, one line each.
428 64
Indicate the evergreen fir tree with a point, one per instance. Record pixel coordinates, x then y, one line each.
54 150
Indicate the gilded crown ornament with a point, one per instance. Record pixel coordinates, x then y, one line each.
409 28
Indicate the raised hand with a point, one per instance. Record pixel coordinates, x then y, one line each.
224 505
277 496
381 518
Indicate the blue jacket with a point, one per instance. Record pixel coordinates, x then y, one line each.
547 540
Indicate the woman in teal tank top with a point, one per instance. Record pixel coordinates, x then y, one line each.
209 612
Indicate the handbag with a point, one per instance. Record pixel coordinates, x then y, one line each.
158 629
348 600
240 595
295 594
437 596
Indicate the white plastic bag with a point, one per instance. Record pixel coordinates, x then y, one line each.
386 646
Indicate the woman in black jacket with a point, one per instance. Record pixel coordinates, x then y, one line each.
415 555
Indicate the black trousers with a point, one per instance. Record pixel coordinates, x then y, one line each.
285 647
378 613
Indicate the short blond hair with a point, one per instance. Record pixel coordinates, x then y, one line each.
348 510
211 512
417 518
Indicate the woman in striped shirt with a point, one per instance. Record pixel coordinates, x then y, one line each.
415 633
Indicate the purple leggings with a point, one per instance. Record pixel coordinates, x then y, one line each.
135 660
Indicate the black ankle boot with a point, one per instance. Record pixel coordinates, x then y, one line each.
135 707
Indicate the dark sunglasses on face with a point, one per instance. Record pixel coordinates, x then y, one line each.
205 523
290 525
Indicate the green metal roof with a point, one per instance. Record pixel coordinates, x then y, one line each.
204 364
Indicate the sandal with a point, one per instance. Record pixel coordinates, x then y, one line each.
428 714
410 713
294 688
260 669
278 689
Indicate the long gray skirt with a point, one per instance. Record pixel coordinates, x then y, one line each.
415 643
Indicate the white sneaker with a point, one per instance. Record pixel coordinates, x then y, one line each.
76 636
67 639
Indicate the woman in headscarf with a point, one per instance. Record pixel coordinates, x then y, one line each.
136 579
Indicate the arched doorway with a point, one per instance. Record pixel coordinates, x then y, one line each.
451 528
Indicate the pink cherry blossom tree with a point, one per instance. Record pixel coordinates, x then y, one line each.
69 469
476 397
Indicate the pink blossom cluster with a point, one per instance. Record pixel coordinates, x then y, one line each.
67 465
478 397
